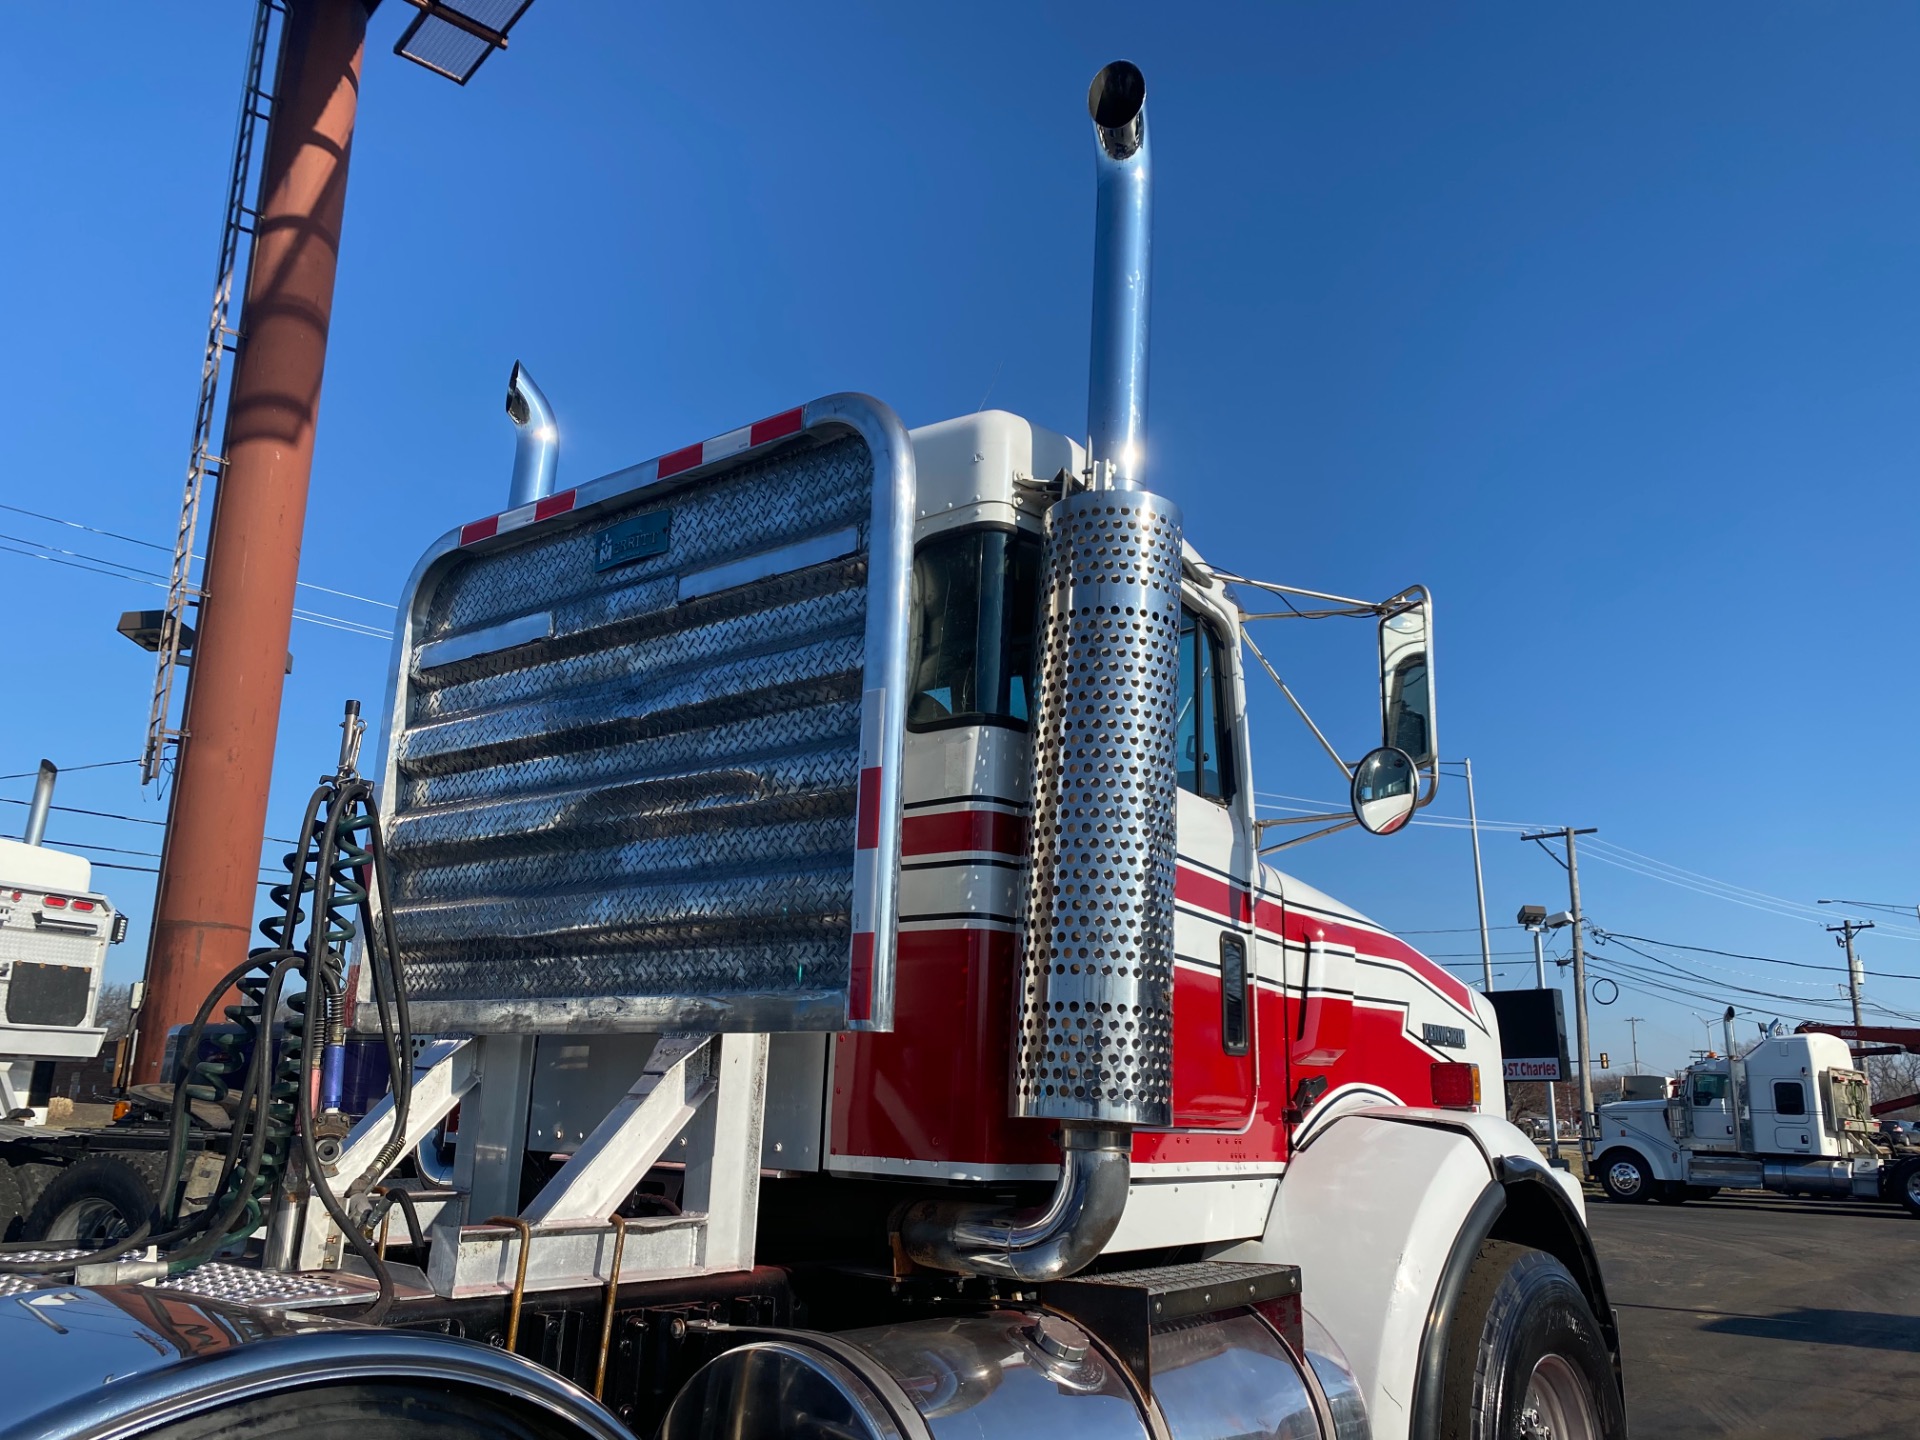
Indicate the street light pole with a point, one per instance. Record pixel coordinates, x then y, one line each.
1479 881
1572 863
1540 975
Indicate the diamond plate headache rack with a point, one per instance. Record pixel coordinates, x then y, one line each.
643 740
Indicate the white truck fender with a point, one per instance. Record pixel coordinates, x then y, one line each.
1385 1210
1657 1149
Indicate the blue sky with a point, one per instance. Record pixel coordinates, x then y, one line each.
1599 323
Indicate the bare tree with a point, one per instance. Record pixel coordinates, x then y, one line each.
1891 1076
114 1009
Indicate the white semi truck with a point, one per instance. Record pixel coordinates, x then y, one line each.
1790 1114
824 859
54 933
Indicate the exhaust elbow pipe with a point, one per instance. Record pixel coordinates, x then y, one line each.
536 449
1032 1246
1122 271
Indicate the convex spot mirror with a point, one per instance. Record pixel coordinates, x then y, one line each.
1406 681
1386 788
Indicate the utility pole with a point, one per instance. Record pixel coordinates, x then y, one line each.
1479 881
1635 1022
1572 864
209 871
1846 929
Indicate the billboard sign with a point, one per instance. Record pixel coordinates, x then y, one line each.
1533 1034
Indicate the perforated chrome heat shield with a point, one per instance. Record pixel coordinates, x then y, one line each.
643 754
1096 1030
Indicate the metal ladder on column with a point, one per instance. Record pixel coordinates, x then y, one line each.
222 336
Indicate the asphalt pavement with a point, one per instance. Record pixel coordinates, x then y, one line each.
1758 1316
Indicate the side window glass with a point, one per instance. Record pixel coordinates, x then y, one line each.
1220 692
1709 1089
1789 1098
1186 725
1201 741
976 596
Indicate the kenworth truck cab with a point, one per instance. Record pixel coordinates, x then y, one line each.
818 867
1790 1114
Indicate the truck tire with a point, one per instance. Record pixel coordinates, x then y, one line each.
1624 1176
95 1202
1903 1185
1525 1356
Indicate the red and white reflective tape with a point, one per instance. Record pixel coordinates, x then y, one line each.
866 869
677 462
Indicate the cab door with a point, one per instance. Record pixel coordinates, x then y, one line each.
1214 1052
1711 1114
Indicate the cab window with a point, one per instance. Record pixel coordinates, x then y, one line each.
1709 1089
1202 732
976 597
1789 1098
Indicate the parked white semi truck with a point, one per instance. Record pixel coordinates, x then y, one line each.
825 858
1790 1114
54 933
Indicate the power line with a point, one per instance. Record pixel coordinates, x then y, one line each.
166 550
139 576
1604 935
97 814
1633 862
68 769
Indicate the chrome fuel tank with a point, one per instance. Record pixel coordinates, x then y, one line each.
1006 1373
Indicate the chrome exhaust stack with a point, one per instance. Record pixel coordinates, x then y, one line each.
536 448
1094 1047
42 802
1122 274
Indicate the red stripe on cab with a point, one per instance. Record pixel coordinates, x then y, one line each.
990 830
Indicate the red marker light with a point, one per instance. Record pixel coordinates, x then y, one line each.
55 902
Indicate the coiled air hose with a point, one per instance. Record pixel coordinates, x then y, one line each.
291 1089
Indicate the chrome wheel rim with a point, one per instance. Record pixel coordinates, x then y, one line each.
1558 1404
1913 1189
1624 1176
90 1222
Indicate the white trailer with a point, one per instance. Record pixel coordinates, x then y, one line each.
1790 1115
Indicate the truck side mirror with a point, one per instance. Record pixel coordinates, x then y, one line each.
1386 790
1406 681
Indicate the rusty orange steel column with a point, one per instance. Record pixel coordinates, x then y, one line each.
209 878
